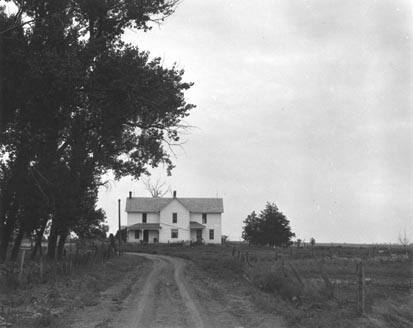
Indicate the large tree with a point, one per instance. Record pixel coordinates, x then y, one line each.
77 102
270 227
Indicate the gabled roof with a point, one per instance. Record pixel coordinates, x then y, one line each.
194 205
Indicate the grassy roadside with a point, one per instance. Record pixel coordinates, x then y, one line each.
41 304
273 288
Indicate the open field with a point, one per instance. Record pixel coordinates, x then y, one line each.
311 287
228 286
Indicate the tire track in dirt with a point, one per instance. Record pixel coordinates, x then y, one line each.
163 292
167 298
135 305
195 316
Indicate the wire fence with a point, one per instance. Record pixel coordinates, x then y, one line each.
315 274
26 270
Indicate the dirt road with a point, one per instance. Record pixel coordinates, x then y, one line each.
167 301
163 296
163 301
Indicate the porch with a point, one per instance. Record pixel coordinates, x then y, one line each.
144 232
197 231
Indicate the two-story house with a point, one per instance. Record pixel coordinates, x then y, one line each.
164 220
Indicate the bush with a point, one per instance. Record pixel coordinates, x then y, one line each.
278 283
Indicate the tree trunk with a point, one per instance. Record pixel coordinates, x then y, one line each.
17 243
2 225
2 216
10 202
38 241
61 245
51 244
7 223
5 239
3 250
37 247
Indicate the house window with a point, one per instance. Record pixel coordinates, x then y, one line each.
137 234
174 233
204 218
211 233
174 217
144 217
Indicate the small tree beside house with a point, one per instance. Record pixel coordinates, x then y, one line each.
312 242
270 227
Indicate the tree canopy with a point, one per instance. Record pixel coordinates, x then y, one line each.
270 227
77 102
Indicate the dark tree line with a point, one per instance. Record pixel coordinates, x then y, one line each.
75 103
270 227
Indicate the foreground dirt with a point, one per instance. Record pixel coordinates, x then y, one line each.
170 292
162 301
52 303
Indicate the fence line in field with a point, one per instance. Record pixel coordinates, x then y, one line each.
41 269
26 271
243 257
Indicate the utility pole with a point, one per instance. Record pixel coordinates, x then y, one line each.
120 232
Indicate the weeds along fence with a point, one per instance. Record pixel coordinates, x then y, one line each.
315 275
296 279
137 247
27 271
371 252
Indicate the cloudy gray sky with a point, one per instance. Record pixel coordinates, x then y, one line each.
302 103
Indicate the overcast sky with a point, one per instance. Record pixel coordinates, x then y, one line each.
303 103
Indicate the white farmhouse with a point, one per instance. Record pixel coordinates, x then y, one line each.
163 220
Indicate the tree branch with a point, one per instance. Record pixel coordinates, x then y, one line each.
16 26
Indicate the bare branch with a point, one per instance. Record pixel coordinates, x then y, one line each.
157 188
16 26
404 241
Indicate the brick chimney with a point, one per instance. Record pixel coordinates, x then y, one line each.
130 194
174 193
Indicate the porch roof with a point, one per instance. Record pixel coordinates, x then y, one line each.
145 226
196 225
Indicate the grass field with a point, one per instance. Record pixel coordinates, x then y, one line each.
314 287
35 303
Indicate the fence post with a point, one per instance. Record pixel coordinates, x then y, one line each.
41 268
248 260
361 293
329 285
21 266
54 264
336 291
233 251
297 276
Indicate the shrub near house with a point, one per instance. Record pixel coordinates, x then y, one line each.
269 227
165 219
